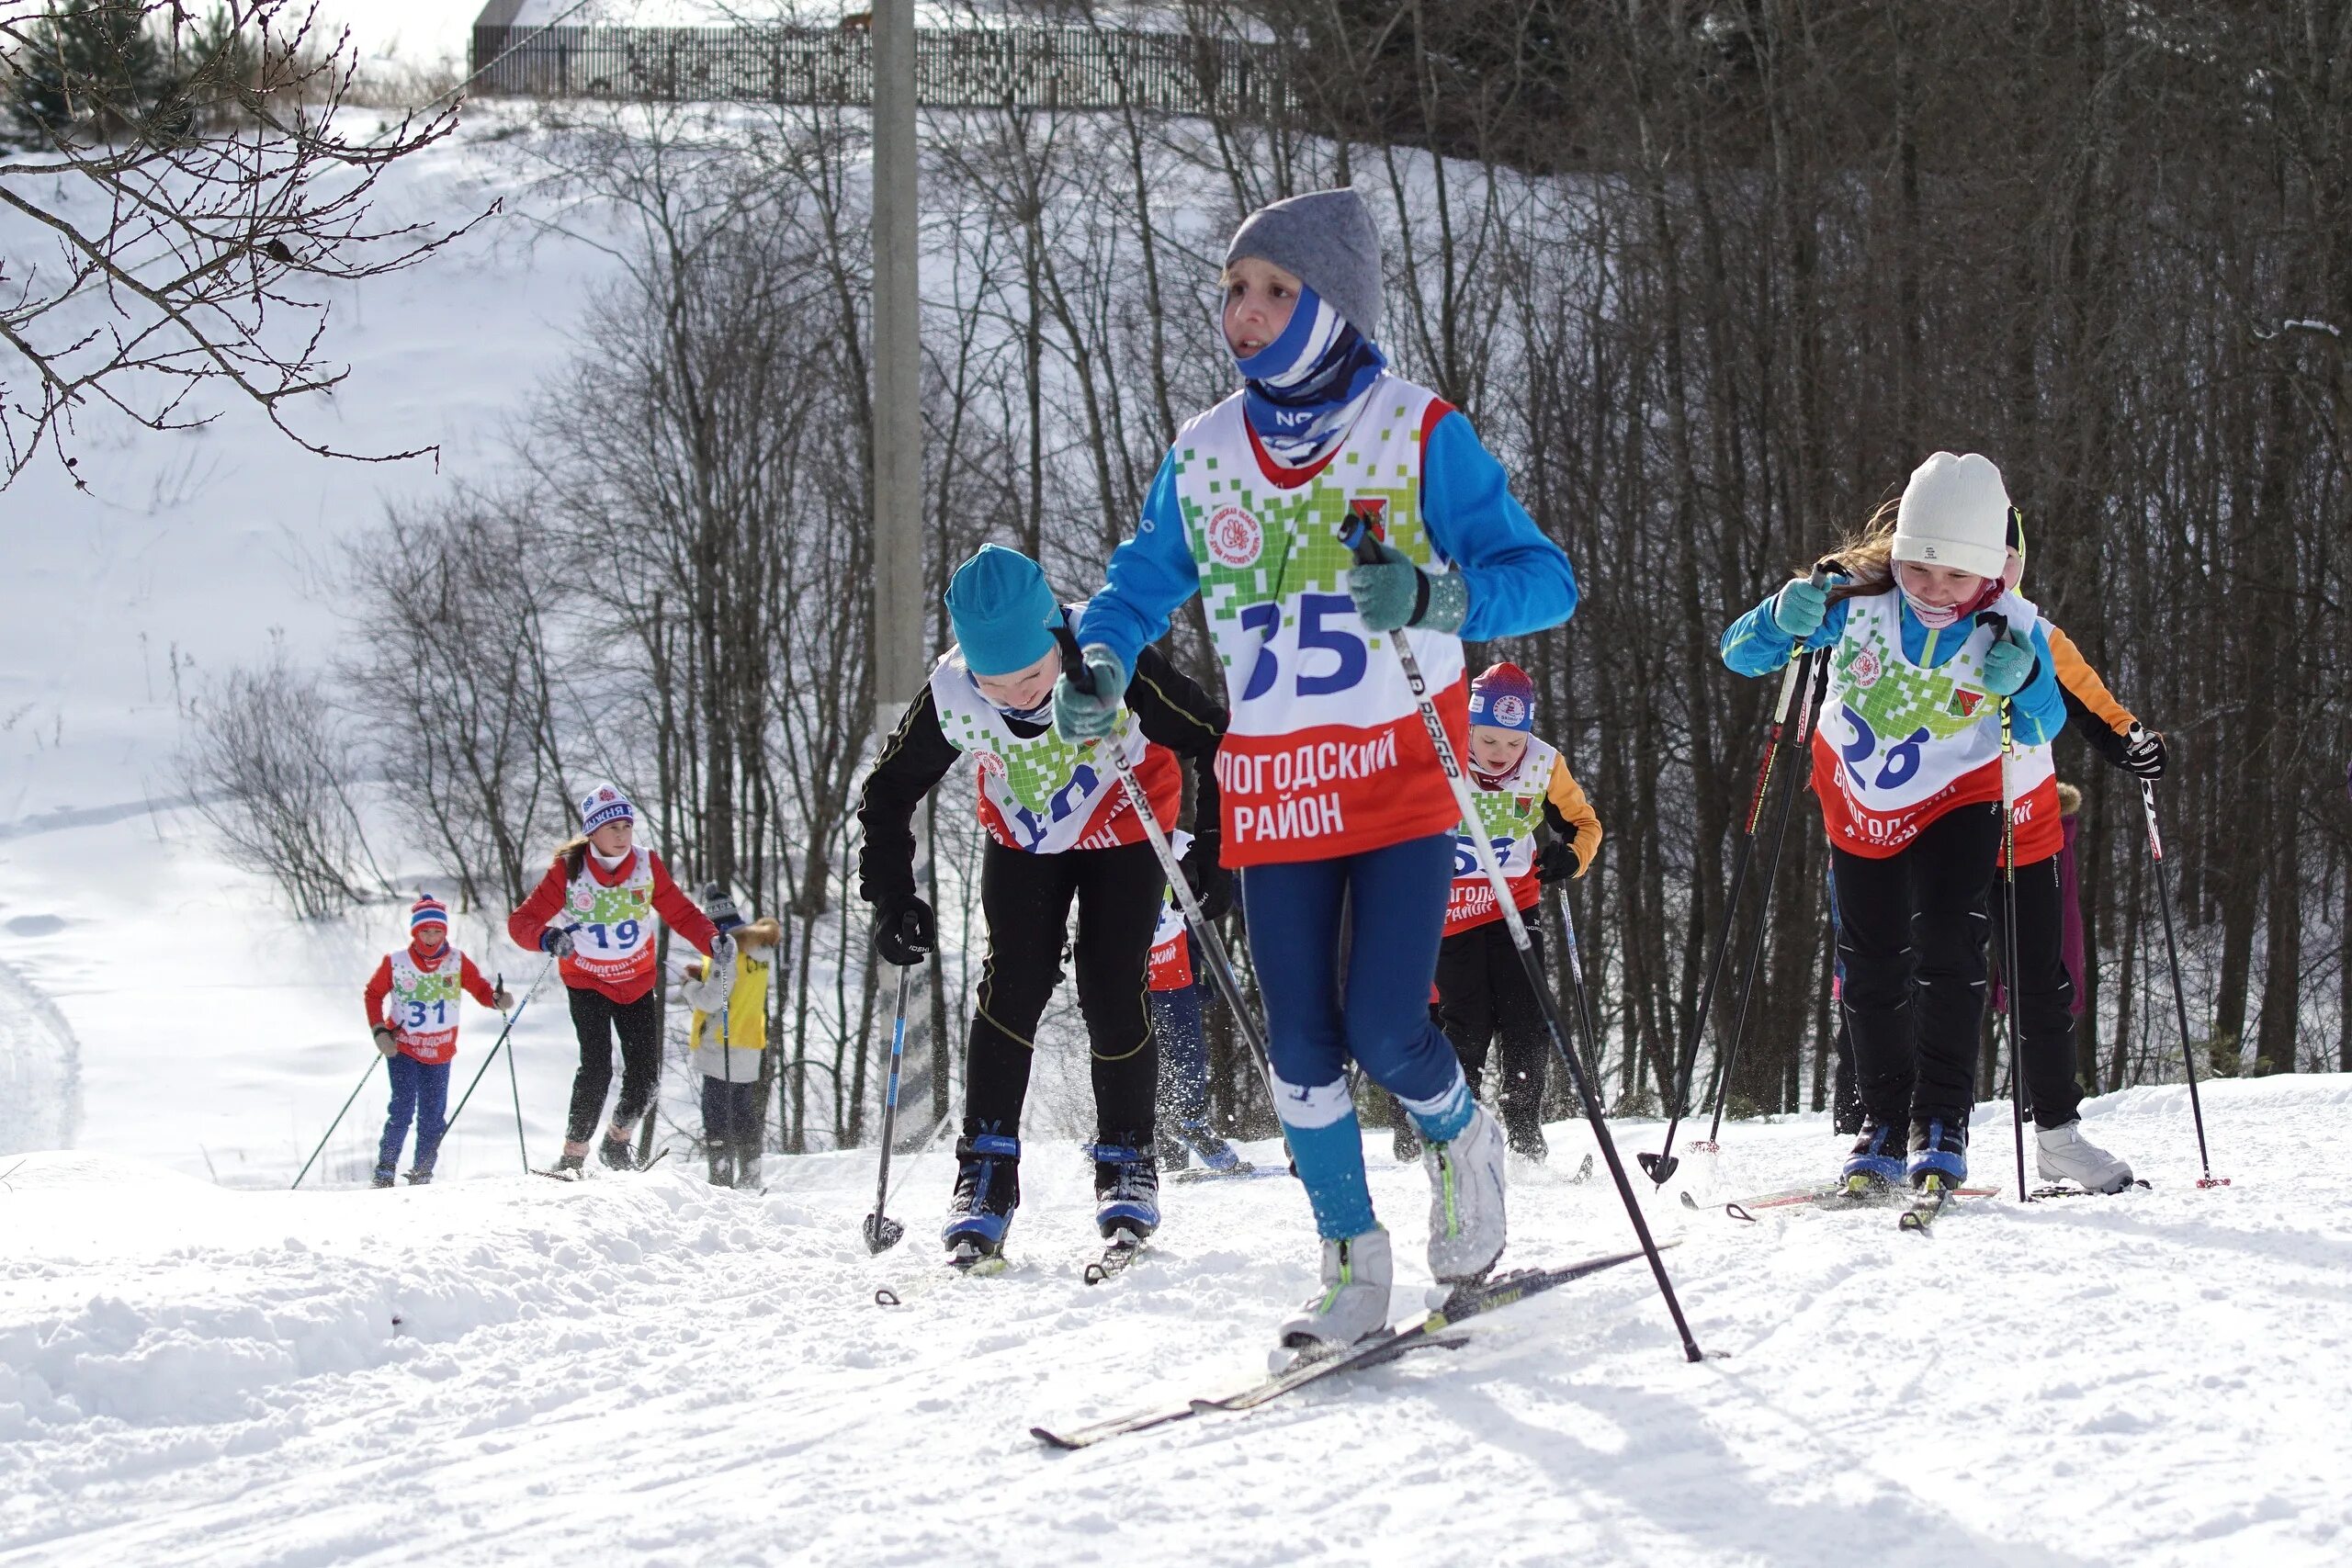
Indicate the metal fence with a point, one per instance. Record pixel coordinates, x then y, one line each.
1064 68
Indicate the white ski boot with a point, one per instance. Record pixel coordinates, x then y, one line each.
1466 1199
1352 1304
2063 1153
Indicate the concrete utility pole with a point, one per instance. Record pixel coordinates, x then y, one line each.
900 614
899 617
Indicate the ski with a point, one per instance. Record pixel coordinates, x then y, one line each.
960 1265
1933 1195
557 1174
1246 1172
1832 1195
1429 1333
1116 1258
2085 1191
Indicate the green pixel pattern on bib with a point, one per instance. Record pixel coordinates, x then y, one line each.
1903 697
442 985
1034 769
1501 816
1300 550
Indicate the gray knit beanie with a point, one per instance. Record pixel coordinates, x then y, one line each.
1325 237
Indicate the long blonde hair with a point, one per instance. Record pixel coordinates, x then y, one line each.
1865 556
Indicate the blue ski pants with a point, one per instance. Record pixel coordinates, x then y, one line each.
420 1094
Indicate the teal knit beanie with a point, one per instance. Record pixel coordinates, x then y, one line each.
1003 611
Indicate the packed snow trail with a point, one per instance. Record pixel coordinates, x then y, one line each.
643 1370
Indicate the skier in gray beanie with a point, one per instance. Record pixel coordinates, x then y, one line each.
1327 237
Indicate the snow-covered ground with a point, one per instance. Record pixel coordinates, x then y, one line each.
644 1369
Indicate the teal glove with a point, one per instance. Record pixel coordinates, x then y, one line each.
1800 608
1393 593
1090 716
2009 665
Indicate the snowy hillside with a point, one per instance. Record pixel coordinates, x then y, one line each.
644 1369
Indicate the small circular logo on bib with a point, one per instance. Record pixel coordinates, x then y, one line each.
1234 538
1867 669
990 764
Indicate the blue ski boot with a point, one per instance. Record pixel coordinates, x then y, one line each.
1215 1153
1938 1148
988 1188
1876 1160
1127 1186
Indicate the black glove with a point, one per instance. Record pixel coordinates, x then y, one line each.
1556 861
1211 885
2144 755
904 931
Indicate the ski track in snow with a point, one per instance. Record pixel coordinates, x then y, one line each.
647 1371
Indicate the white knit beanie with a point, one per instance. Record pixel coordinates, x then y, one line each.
1954 513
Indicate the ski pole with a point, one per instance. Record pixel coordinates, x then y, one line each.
333 1124
882 1233
1720 1091
1220 967
2010 933
1356 535
2172 952
515 1087
1662 1165
511 1018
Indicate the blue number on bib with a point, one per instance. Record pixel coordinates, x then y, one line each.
1863 743
1466 854
1902 759
416 1015
626 933
1313 633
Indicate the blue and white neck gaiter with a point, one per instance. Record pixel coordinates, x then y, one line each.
1304 391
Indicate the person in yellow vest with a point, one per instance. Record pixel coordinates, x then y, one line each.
726 1034
1523 784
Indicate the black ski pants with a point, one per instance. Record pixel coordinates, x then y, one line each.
1482 999
731 1117
596 1017
2045 998
1911 932
1027 899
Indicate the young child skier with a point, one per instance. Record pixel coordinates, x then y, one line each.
1059 828
1483 994
595 911
1907 767
1334 803
728 1034
1184 1048
419 1035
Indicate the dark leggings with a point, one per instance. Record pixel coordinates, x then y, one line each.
1027 899
731 1116
2046 995
1911 936
1482 997
1184 1051
595 1017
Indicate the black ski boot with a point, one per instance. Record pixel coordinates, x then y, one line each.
618 1153
381 1178
722 1166
1938 1148
988 1188
420 1177
569 1167
1127 1185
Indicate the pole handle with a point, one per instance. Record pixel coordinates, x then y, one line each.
1073 659
1357 534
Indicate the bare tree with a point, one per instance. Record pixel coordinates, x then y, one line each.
191 233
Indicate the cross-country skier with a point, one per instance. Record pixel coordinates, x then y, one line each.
727 1033
418 1035
1184 1048
1484 999
1906 765
1060 828
2050 949
1334 801
594 910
